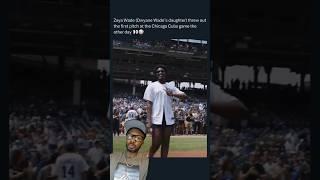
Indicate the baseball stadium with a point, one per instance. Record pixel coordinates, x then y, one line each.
59 85
133 65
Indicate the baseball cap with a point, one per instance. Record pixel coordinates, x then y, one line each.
135 124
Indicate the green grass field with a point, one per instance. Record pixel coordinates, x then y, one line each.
177 143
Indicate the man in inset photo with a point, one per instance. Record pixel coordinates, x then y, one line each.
131 164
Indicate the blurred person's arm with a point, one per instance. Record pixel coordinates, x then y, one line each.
251 171
225 104
15 174
102 171
217 175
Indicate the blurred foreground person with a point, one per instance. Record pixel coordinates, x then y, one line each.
70 165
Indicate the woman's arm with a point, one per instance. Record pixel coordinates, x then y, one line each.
180 95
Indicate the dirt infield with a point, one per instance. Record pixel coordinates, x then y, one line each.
185 154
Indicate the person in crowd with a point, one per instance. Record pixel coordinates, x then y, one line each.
70 165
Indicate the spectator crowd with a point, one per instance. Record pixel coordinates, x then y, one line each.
41 132
270 144
190 115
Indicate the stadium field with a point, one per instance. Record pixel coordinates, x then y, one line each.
180 146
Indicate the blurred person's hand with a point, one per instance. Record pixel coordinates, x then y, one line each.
98 173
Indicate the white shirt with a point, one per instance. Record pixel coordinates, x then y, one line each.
196 117
69 166
139 110
123 172
201 107
161 102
